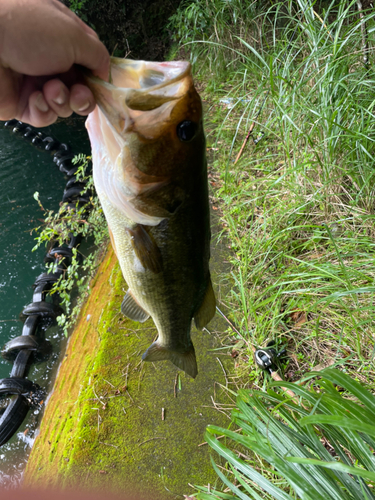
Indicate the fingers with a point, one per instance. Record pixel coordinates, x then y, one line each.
38 113
41 44
81 99
43 37
41 104
89 51
95 58
64 101
20 99
57 97
56 100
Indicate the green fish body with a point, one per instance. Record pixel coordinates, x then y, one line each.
150 173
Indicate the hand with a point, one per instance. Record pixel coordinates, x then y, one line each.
41 42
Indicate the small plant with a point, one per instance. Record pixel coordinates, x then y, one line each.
320 448
87 220
78 6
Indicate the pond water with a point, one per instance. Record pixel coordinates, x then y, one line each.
25 169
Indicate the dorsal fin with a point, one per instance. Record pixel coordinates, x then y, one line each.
207 309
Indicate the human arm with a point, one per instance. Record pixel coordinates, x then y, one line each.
41 42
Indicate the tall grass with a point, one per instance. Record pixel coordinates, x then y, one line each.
297 211
298 206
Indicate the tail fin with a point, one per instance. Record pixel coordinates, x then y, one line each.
186 361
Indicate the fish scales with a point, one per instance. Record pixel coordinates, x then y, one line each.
150 174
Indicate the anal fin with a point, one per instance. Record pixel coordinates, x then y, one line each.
132 310
146 249
207 309
186 361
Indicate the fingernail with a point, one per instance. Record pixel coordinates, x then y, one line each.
41 104
84 106
60 99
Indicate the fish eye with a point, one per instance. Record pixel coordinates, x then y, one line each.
186 130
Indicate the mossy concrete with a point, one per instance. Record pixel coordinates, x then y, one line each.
117 424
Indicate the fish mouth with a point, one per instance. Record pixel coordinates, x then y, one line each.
145 75
136 87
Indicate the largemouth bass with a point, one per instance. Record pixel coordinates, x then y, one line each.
150 173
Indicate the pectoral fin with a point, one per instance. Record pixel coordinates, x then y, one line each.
161 202
146 249
207 309
186 361
149 207
132 310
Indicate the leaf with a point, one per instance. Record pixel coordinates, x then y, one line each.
355 388
244 468
335 466
298 318
345 422
325 364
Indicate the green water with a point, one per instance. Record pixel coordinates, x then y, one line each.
25 169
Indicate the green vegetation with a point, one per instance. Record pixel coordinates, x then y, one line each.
129 28
297 208
86 220
320 456
297 212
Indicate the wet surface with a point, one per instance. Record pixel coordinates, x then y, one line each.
25 169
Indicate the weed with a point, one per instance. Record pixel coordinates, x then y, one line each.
88 221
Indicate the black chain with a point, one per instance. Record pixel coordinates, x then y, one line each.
40 314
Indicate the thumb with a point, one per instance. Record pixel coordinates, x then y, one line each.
90 52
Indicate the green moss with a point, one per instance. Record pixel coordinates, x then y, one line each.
83 339
113 436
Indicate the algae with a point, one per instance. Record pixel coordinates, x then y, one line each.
115 423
